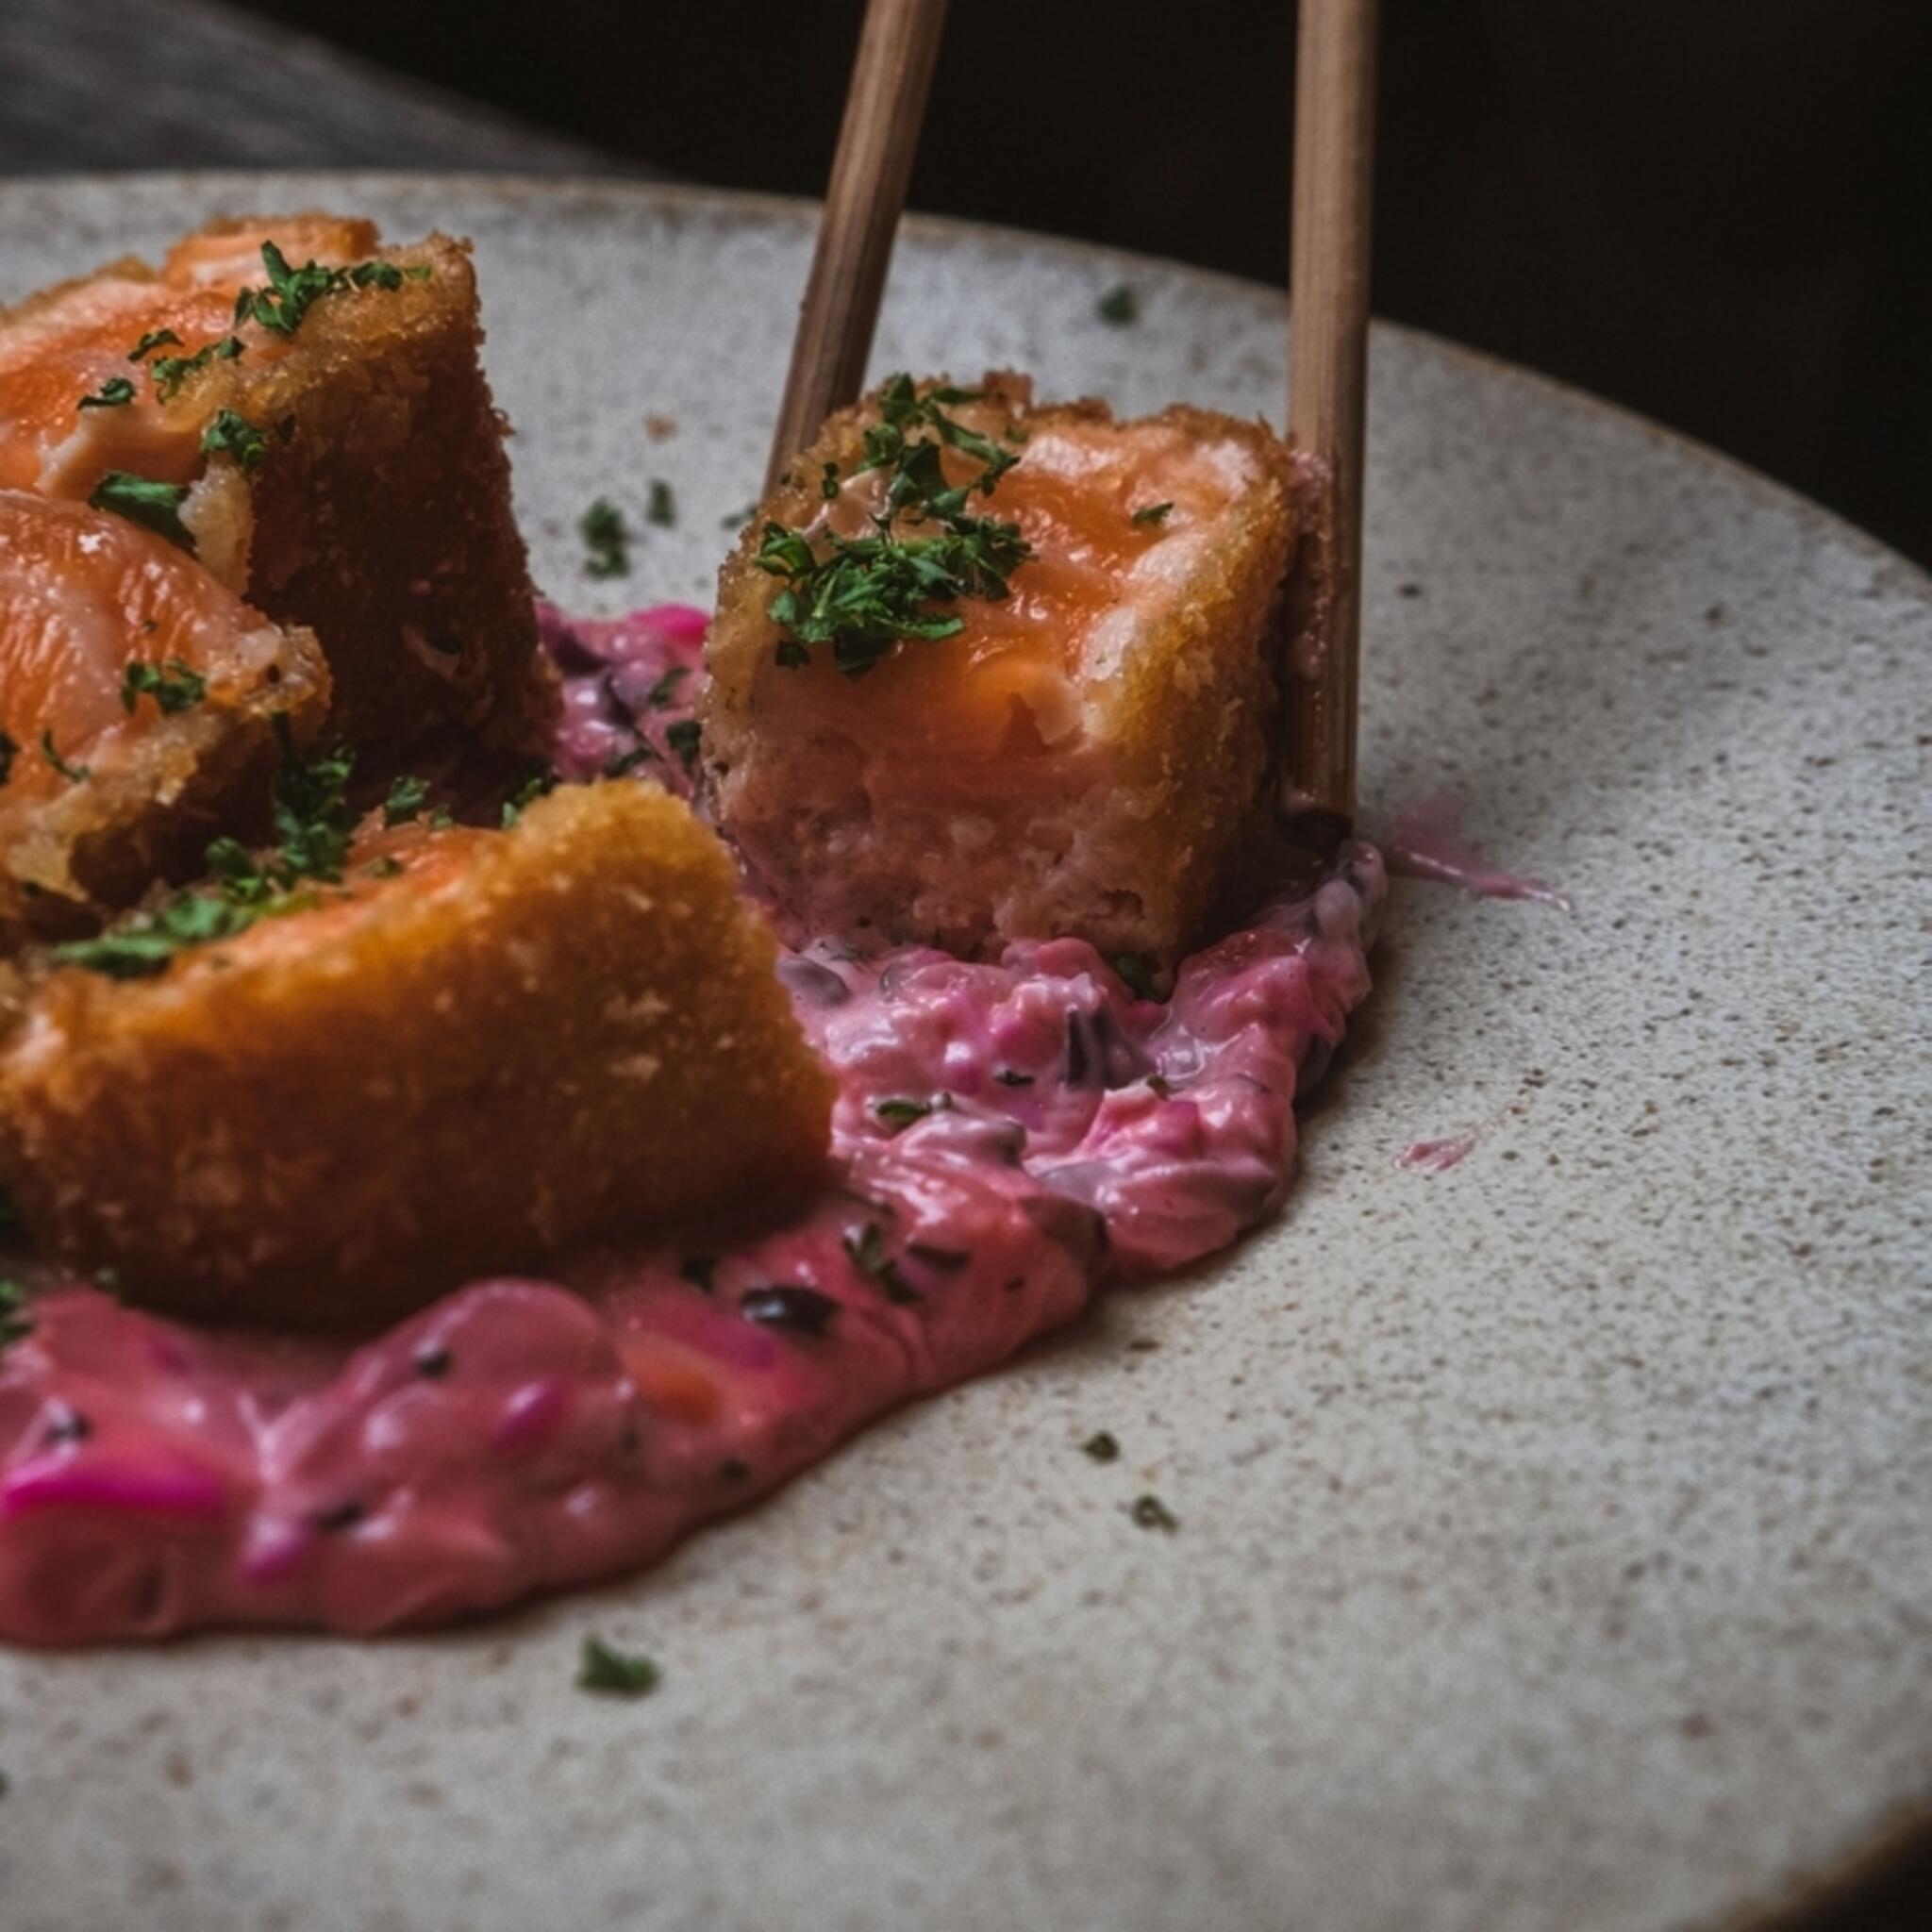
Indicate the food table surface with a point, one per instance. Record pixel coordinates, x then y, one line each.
127 84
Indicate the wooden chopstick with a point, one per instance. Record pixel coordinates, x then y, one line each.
891 75
1328 281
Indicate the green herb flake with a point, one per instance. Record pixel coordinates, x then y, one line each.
232 434
1150 1512
1120 308
441 818
115 394
155 339
171 372
1103 1446
1136 973
16 1324
406 798
621 764
388 867
1153 513
685 738
612 1672
176 688
789 655
866 1251
535 786
660 504
901 1113
154 506
291 292
606 539
74 775
665 691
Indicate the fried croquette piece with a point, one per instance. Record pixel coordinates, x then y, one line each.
342 460
1082 755
137 701
479 1046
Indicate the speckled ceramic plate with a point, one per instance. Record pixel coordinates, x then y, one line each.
1554 1544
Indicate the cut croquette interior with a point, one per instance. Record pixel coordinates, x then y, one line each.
1081 754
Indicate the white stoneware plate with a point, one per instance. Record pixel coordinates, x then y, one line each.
1554 1547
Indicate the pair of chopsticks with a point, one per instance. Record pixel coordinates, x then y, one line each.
1328 277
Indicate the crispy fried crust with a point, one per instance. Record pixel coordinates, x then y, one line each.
380 513
1121 832
161 785
383 519
564 1030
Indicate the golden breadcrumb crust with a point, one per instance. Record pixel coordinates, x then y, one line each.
381 511
575 1031
172 781
1123 835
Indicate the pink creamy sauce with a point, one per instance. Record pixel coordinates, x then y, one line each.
1008 1138
1426 842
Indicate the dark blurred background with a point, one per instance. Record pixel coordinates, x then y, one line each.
1712 211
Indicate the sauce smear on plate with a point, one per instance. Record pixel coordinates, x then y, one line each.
1008 1138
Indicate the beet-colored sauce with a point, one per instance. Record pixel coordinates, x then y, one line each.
1008 1138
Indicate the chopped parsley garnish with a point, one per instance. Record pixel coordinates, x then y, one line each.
155 339
407 797
171 372
864 594
388 867
1153 513
901 1113
155 506
790 655
1157 1085
1136 974
74 775
176 688
313 825
291 292
234 435
441 818
665 691
16 1324
1103 1446
621 763
1119 306
605 537
613 1672
8 752
660 505
539 781
684 738
114 394
867 1253
1150 1512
